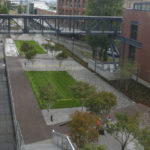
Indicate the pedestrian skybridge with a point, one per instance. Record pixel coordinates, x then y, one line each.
44 24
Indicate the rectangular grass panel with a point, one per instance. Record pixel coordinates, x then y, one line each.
60 81
36 46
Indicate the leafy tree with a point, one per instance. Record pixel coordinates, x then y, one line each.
4 10
144 138
127 69
82 91
83 128
93 147
9 5
102 8
25 47
125 130
20 9
28 50
48 95
61 56
30 54
101 103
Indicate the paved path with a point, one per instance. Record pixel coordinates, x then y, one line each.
59 115
28 113
7 137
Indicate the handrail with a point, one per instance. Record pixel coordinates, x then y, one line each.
70 143
63 137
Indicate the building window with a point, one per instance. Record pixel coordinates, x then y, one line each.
84 4
70 3
132 52
76 4
134 30
79 4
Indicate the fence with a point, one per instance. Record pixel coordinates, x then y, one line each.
62 141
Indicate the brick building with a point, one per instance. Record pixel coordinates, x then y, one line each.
71 7
130 3
136 25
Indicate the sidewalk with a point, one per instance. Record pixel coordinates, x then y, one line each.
28 113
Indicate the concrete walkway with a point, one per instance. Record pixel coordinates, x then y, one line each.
59 115
28 113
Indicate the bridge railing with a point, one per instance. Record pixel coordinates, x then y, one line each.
62 141
18 135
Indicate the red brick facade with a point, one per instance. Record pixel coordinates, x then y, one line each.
142 55
71 7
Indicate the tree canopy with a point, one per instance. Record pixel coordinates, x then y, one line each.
28 50
83 128
125 130
101 103
4 10
48 95
144 138
102 8
61 56
82 91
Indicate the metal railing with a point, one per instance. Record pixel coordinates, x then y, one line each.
19 137
62 141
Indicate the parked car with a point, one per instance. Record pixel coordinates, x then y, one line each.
109 52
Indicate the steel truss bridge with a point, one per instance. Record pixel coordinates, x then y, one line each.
67 25
34 24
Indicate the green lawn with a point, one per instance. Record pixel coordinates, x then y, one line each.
60 81
36 46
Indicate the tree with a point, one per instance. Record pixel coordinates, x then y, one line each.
9 5
93 147
25 47
61 56
102 8
4 10
30 54
101 103
20 9
125 130
127 69
28 50
48 96
83 128
82 91
144 138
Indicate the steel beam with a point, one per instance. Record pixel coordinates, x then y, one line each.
129 41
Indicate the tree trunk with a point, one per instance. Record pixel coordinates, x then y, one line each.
123 146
